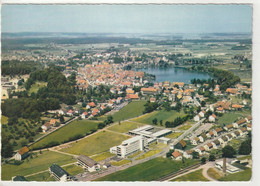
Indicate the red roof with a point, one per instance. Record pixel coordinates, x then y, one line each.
176 154
92 104
23 150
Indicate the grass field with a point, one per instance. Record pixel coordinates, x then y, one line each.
213 173
184 127
235 143
102 156
148 171
174 135
124 126
133 109
73 169
4 119
74 128
149 154
45 176
121 162
240 176
97 143
160 115
245 157
36 86
37 164
228 118
135 154
193 176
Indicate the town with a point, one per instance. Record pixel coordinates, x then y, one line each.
85 114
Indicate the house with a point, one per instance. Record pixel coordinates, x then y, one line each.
236 107
221 141
232 91
202 114
46 127
196 118
59 173
132 96
195 141
84 115
201 139
130 91
19 178
176 155
152 100
88 163
210 146
210 134
225 139
212 118
181 145
217 131
248 119
106 165
22 154
249 126
70 113
240 122
187 154
53 122
228 127
217 143
204 136
149 90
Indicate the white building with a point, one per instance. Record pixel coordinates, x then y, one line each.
130 146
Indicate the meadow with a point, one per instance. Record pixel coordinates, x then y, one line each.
36 86
124 127
239 176
193 176
96 143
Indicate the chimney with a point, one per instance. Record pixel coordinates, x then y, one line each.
224 165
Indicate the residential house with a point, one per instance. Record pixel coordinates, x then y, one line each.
217 131
181 145
46 127
53 122
236 107
229 136
132 96
196 118
84 115
70 113
216 143
59 173
202 114
176 155
149 90
212 118
195 141
22 154
187 154
210 134
106 165
228 127
249 127
152 100
240 123
88 163
210 146
248 119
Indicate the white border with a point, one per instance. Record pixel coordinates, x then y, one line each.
255 181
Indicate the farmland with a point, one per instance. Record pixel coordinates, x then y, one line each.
124 126
148 171
75 128
40 163
193 176
96 143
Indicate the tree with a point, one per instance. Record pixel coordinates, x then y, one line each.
228 151
203 160
61 119
7 148
195 155
245 147
161 122
155 121
212 157
110 119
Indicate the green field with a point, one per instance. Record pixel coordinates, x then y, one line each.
193 176
184 127
74 128
125 126
102 156
97 143
228 118
213 173
45 176
235 143
174 135
4 119
36 86
148 154
160 115
73 169
37 164
148 171
135 154
245 157
133 109
121 162
240 176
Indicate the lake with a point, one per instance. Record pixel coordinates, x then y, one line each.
175 74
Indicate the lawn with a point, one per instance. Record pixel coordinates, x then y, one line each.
245 157
37 164
80 127
121 162
235 143
228 118
135 154
97 143
148 171
133 109
240 176
160 115
213 173
36 86
149 154
174 135
184 127
124 127
4 119
45 176
73 169
193 176
102 156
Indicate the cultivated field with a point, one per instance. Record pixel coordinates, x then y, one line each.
97 143
37 164
45 176
73 169
102 156
81 127
148 171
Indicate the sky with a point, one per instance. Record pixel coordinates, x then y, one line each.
127 18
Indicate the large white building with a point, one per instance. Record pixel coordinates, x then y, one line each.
130 146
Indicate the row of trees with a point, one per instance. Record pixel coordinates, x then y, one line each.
178 121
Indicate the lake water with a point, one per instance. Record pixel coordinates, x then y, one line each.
175 74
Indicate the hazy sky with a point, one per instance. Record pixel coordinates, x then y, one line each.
127 18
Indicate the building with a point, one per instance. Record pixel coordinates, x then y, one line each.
164 140
46 127
88 163
176 155
22 154
229 168
19 178
130 146
59 173
149 90
181 145
212 118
